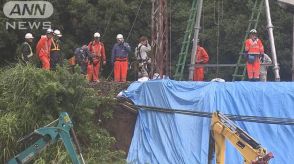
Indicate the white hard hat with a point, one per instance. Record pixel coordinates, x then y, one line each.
58 33
96 35
119 36
49 30
253 31
29 36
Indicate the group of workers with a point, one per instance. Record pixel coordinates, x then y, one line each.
47 49
91 57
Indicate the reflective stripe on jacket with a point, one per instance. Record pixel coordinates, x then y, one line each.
55 45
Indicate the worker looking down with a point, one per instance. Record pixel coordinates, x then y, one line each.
119 59
253 50
97 50
201 58
264 59
26 49
55 54
83 57
142 57
43 49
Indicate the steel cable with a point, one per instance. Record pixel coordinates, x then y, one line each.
255 119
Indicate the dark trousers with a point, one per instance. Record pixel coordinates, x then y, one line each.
55 57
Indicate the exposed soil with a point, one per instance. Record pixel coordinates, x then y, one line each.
121 125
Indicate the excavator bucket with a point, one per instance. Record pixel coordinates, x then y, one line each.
265 159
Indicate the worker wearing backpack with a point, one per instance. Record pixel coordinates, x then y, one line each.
83 57
142 57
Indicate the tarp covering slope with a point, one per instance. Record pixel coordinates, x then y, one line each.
176 138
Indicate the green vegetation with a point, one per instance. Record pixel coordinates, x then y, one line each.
31 98
79 19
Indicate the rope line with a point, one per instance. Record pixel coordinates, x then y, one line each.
137 13
138 10
107 24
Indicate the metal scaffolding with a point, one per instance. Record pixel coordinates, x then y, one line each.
272 41
196 34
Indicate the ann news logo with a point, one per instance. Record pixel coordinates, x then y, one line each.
26 10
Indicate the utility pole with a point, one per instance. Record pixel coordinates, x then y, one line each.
195 43
159 37
272 41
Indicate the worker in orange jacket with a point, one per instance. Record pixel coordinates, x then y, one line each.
43 49
201 58
97 50
253 50
119 59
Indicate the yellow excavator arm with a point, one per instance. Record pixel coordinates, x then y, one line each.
223 128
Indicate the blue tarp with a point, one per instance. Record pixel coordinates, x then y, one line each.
176 138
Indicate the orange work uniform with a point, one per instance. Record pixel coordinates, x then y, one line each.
43 51
201 58
254 48
98 51
119 60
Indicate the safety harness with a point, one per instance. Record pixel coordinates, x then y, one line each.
96 54
138 53
55 45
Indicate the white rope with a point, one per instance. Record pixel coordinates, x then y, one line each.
108 22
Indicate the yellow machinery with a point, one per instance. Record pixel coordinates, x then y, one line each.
223 128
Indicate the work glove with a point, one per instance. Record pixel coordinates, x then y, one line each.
126 45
